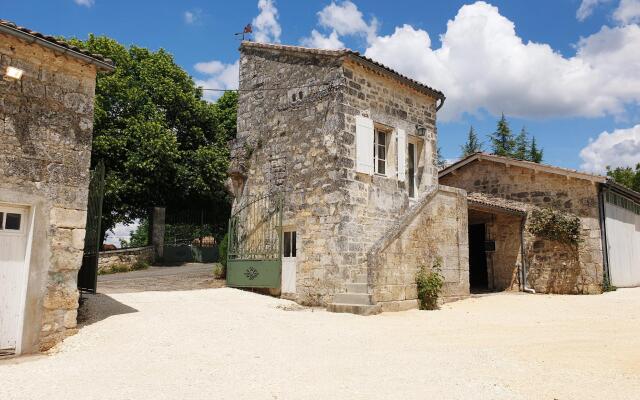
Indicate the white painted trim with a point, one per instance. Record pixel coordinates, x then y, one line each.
25 278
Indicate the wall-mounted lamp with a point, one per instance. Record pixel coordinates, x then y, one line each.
421 130
13 73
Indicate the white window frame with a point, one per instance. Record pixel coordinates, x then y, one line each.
376 151
13 210
414 143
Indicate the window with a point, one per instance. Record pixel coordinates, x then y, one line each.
379 152
289 244
12 222
411 169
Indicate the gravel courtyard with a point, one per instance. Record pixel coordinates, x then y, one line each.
229 344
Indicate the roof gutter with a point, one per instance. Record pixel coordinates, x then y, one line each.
101 65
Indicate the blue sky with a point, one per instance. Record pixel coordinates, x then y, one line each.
567 70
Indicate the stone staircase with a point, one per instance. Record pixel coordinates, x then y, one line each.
356 300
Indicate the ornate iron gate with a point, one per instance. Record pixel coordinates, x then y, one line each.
88 274
255 243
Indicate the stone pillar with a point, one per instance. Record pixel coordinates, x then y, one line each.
157 232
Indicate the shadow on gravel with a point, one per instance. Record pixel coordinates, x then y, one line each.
96 307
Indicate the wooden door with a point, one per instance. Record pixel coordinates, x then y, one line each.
13 245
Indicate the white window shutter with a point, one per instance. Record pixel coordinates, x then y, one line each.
364 145
402 154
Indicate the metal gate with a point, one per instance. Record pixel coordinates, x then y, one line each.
189 236
255 243
88 274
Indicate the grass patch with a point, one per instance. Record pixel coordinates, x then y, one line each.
122 267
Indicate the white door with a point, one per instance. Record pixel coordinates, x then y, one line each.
13 245
289 253
623 245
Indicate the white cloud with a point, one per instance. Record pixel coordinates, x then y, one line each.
217 75
192 17
189 17
586 8
320 41
86 3
620 148
266 26
483 65
345 19
628 12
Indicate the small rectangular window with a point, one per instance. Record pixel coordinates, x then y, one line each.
12 222
380 152
289 244
1 221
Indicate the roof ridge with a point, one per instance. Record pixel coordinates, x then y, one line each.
15 29
348 52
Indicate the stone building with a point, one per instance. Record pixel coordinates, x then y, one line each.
350 144
46 120
503 194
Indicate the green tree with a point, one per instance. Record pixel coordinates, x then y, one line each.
473 144
440 161
161 142
626 176
535 154
521 148
502 140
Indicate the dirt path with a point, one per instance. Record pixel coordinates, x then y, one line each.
185 277
230 344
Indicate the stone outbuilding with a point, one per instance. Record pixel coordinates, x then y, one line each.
46 120
505 253
350 146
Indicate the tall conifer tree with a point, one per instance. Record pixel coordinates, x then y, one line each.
502 141
473 144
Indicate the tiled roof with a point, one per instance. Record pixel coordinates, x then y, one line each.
11 28
524 164
486 200
355 55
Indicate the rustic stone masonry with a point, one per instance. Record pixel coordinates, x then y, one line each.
46 122
552 267
301 140
125 257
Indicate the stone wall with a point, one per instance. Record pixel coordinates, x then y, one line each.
504 263
549 268
305 146
46 122
126 257
435 228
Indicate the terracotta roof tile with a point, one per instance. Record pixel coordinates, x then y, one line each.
497 202
348 52
99 60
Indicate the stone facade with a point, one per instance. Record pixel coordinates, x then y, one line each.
301 140
46 122
125 257
551 267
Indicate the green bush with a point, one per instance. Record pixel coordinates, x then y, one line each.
139 264
430 282
219 271
554 225
222 251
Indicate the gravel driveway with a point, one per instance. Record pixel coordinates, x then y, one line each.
230 344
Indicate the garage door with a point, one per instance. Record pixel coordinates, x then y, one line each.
623 240
13 245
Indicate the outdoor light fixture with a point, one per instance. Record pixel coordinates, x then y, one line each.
421 130
13 73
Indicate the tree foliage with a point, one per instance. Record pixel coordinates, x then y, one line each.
473 144
503 143
626 176
161 142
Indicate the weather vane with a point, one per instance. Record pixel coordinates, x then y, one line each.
247 30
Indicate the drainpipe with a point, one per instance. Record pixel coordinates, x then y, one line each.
603 232
523 261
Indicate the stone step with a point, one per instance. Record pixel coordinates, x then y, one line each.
358 309
361 278
353 298
357 288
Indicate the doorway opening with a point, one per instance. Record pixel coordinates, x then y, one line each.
478 273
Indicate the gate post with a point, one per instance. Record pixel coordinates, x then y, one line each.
157 232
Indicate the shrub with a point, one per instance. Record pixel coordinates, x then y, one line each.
219 271
430 283
555 225
222 251
139 264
